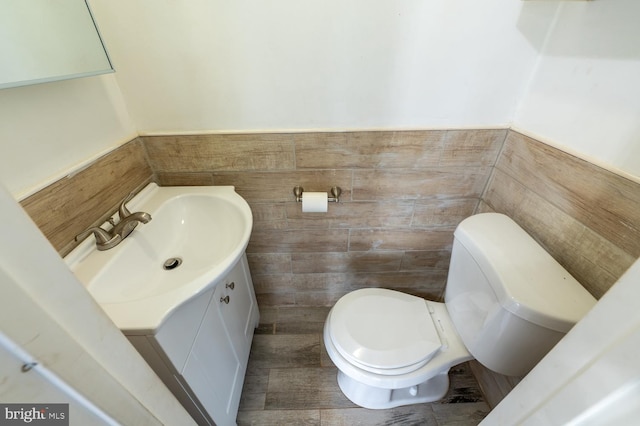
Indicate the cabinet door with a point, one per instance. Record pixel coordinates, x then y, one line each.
237 314
179 331
213 368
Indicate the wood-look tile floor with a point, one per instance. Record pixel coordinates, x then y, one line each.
291 381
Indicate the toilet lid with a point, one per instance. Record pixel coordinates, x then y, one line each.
383 329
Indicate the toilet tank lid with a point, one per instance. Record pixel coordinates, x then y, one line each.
525 278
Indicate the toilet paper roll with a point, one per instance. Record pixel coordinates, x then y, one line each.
315 202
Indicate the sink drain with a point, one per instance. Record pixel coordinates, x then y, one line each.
171 263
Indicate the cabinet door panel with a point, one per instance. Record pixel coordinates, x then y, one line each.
237 313
213 368
179 331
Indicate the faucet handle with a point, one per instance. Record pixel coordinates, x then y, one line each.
123 211
104 240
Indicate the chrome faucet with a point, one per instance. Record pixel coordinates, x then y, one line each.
128 221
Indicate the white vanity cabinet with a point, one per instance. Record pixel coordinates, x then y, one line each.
201 351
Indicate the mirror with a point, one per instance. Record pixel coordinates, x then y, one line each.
48 40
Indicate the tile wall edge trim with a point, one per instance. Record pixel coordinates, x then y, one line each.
501 126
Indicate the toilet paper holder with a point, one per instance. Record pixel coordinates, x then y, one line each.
335 191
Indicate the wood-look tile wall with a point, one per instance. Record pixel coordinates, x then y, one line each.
87 198
403 193
586 217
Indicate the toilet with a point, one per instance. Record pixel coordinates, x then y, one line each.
507 303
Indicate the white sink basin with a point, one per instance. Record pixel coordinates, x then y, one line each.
206 227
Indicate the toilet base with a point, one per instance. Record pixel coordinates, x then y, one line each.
378 398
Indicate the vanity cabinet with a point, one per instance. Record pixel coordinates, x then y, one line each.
201 351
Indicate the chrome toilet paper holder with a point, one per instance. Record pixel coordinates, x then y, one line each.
335 191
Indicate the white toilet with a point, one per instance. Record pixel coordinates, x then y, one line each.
507 303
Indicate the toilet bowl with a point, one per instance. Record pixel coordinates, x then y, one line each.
402 368
507 302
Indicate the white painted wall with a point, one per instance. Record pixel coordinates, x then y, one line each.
49 130
249 65
217 65
585 94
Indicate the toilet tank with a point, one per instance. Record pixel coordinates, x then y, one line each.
509 300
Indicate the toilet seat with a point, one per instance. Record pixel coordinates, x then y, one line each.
383 331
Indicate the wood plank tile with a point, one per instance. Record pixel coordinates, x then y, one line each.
297 315
353 215
254 391
591 258
285 350
427 282
273 283
470 414
277 186
483 207
316 150
326 289
605 202
593 277
300 240
550 226
203 153
432 259
268 315
323 282
368 149
276 299
436 182
279 418
302 320
443 212
319 298
503 192
346 262
292 391
300 328
251 401
184 179
268 212
291 388
325 361
472 147
400 239
419 414
71 205
269 263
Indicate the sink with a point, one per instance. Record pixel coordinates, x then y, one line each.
196 235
